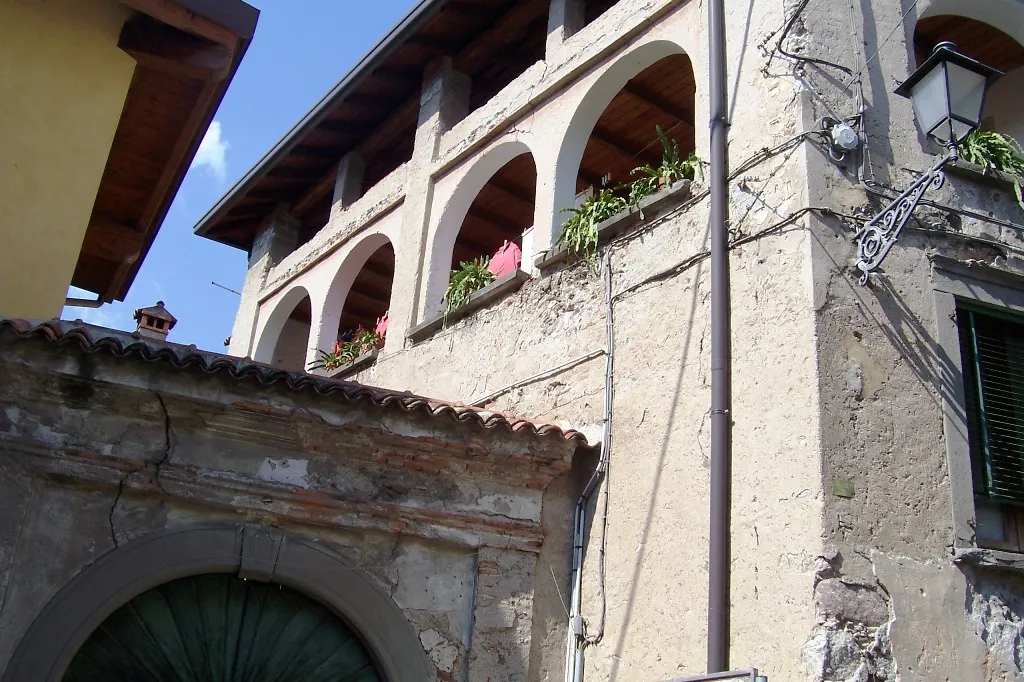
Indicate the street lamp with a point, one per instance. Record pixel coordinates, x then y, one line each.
948 94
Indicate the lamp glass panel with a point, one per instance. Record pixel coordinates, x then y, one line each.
929 98
966 92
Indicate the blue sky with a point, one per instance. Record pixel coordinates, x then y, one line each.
301 49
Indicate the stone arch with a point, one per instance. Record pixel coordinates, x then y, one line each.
454 212
271 332
991 31
588 112
341 285
263 554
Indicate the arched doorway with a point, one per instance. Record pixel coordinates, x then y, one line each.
263 555
369 298
221 627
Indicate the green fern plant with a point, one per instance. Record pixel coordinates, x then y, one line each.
998 151
672 169
468 278
579 232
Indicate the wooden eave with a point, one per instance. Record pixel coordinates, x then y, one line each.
374 109
186 52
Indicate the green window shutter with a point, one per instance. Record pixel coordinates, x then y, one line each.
992 346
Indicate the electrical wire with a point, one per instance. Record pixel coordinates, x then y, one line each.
800 58
860 71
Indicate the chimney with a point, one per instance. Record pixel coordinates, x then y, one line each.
154 322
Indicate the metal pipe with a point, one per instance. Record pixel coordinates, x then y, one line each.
721 360
83 302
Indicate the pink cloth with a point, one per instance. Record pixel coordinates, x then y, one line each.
506 260
382 324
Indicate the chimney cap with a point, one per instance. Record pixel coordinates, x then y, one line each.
157 311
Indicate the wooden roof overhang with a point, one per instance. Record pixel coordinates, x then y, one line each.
375 108
187 52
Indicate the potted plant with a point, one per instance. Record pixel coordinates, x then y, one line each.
346 351
996 151
579 232
465 280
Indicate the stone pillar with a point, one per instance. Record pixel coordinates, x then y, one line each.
349 184
444 102
503 615
278 237
565 17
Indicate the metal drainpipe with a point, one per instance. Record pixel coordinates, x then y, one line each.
721 360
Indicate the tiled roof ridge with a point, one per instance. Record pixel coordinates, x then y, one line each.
92 339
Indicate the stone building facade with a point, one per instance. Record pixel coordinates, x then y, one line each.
133 467
864 546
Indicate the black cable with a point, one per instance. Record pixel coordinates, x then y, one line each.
796 57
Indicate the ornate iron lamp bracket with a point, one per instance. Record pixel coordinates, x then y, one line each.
879 234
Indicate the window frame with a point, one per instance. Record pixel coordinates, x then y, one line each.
977 286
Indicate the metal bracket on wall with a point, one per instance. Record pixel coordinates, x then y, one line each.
877 236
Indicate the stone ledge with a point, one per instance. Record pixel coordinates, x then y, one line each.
363 361
650 208
989 558
494 291
988 176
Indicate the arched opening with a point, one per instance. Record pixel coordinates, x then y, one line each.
221 627
98 590
625 136
360 296
290 349
284 338
501 212
492 203
614 129
1004 102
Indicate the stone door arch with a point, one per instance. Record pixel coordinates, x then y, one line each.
260 554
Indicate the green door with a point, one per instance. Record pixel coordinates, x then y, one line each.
220 628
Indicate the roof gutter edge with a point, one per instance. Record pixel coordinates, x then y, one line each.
419 15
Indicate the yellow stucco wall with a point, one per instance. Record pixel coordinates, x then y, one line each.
63 83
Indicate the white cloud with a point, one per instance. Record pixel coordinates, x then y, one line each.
105 316
212 152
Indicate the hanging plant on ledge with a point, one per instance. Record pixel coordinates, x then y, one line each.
672 169
468 278
996 151
579 232
345 352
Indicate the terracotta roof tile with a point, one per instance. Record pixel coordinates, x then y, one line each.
93 339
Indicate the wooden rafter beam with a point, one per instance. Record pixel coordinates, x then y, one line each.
503 224
473 245
403 119
437 45
112 241
467 10
622 146
157 46
344 128
501 34
511 192
659 103
173 14
370 297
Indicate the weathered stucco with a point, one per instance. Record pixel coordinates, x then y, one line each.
64 82
846 563
447 519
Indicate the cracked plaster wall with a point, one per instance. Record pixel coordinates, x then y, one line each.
833 384
656 573
888 502
96 452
